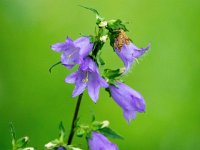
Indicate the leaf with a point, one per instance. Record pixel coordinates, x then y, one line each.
62 131
80 132
108 132
54 66
112 74
91 9
114 25
22 142
13 134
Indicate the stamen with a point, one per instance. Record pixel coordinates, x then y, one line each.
72 53
86 78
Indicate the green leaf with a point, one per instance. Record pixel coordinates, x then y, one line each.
80 132
13 134
114 25
91 9
108 132
54 66
113 74
22 142
62 131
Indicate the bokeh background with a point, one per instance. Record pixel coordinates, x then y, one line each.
167 76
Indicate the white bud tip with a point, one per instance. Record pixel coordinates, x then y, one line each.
105 123
26 138
104 38
50 145
103 24
29 148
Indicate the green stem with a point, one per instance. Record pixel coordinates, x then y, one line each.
71 135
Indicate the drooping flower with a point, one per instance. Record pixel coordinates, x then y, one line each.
128 99
73 52
61 148
100 142
87 76
126 50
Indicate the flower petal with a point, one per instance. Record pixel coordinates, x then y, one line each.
128 99
100 142
71 78
59 47
93 86
85 45
79 88
140 51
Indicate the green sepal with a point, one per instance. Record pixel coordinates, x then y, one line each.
96 125
100 61
62 131
108 132
114 25
98 17
113 74
13 134
80 132
22 142
50 69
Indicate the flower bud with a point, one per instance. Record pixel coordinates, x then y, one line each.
103 24
105 124
104 38
29 148
50 145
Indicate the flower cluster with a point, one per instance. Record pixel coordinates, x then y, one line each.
86 53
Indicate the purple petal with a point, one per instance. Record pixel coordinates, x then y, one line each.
79 88
59 47
89 65
100 142
85 45
80 83
128 99
93 86
140 51
71 78
129 53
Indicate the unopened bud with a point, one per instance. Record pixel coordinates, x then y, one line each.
104 38
50 145
105 124
26 138
103 24
29 148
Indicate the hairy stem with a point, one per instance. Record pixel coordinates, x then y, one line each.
71 135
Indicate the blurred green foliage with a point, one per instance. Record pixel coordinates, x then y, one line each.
167 76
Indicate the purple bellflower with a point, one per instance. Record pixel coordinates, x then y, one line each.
128 99
61 148
73 52
87 76
126 50
100 142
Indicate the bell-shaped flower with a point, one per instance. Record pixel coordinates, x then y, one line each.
126 50
87 76
128 99
100 142
73 52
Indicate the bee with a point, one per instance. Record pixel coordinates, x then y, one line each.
121 40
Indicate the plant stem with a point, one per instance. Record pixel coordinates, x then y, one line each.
74 119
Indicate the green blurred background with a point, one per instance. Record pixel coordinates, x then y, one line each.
167 76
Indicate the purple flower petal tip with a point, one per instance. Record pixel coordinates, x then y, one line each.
73 52
128 99
100 142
